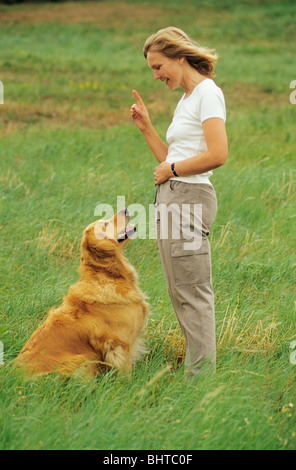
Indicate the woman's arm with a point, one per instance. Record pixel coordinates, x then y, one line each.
216 155
141 118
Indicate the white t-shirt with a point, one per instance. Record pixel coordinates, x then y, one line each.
185 134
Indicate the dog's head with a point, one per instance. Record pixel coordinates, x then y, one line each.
104 238
115 229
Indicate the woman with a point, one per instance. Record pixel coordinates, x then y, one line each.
197 144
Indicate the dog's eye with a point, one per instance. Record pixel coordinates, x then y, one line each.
105 226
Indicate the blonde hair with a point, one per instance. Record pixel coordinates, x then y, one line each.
174 44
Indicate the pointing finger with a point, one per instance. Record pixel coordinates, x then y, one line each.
138 97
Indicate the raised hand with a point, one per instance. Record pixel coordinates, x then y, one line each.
139 113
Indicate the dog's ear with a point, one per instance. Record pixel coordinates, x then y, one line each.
96 251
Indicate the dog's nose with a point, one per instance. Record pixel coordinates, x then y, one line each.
125 212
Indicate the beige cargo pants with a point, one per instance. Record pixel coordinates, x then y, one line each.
186 262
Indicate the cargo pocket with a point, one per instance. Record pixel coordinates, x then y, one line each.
191 266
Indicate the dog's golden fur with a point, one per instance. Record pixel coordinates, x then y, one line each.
99 323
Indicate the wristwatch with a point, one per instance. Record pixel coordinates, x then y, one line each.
173 169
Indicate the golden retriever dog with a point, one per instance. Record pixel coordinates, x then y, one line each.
98 325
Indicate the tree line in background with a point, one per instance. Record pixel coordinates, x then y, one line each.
12 2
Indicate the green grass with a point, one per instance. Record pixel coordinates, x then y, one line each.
67 144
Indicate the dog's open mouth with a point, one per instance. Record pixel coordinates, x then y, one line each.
126 233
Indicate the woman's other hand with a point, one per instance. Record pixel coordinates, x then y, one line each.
162 173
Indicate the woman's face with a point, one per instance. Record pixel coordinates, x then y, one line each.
165 69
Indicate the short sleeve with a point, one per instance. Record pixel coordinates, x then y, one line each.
212 105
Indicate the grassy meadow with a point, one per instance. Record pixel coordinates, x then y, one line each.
67 144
